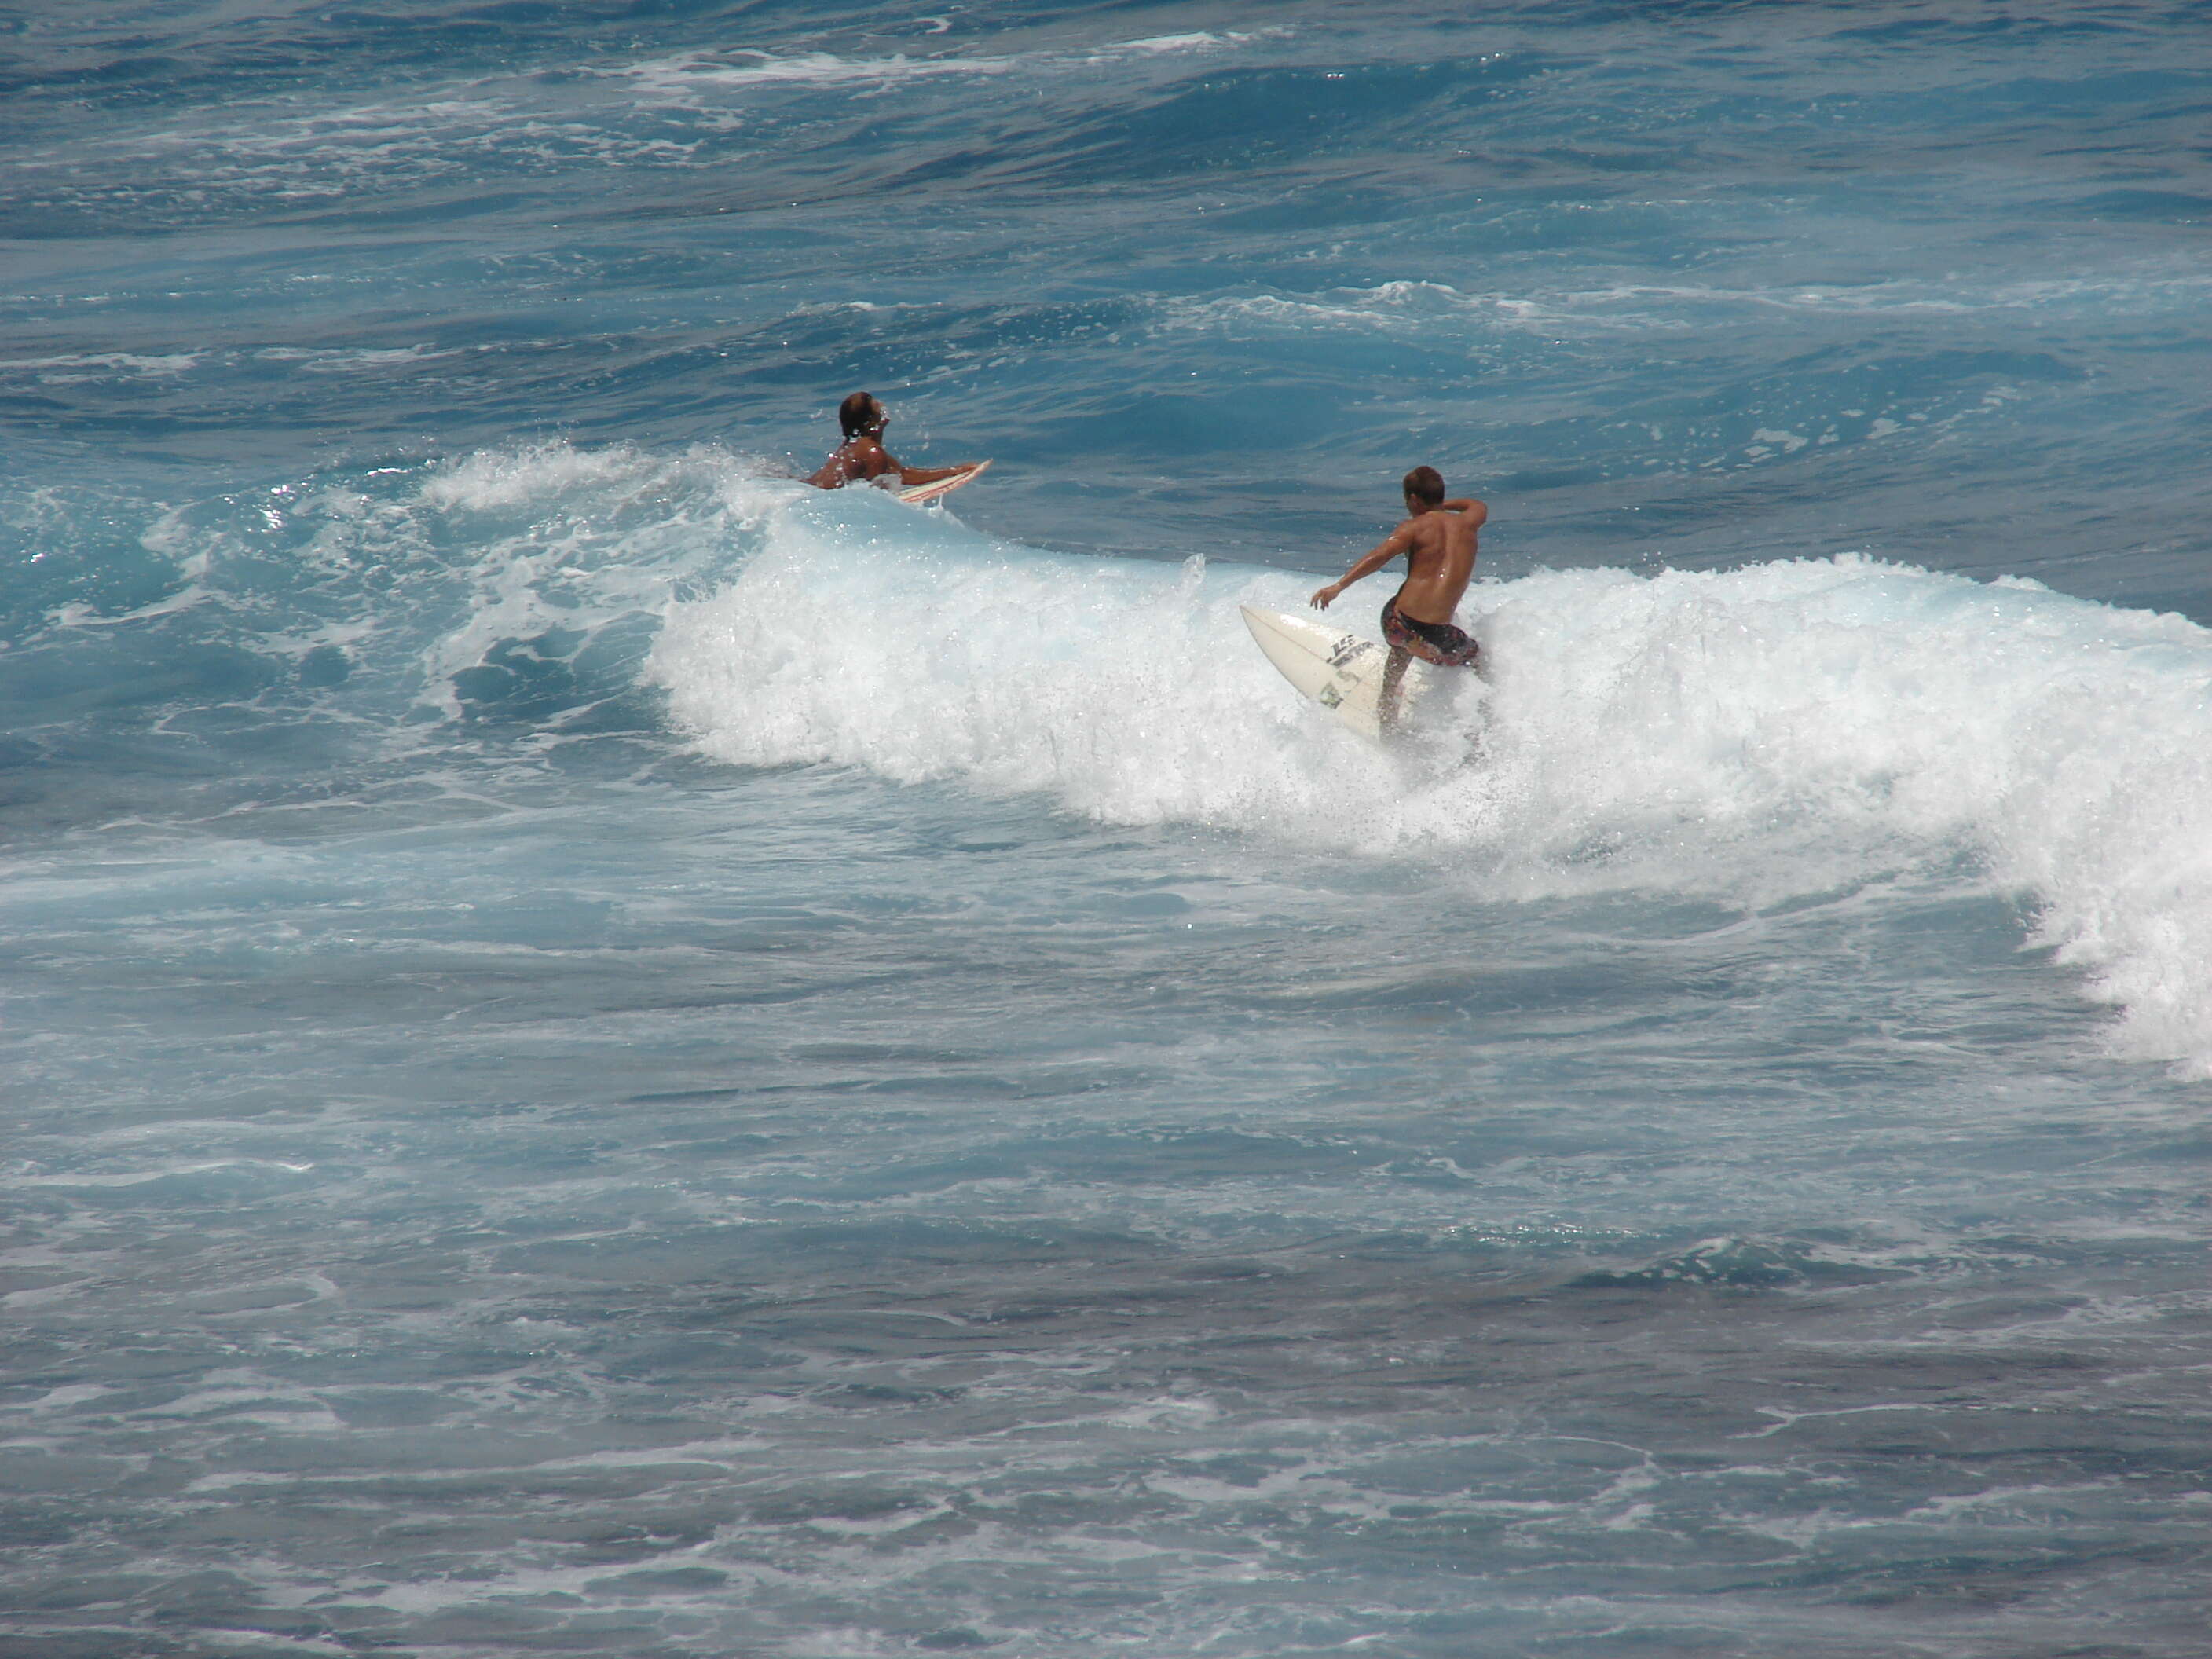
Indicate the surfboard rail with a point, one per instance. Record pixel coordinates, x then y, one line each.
1339 671
937 489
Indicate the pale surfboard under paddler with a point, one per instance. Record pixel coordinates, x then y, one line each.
919 494
1341 671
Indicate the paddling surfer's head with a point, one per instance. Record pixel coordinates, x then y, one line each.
861 413
1425 488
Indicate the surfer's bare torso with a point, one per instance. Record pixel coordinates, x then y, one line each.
862 455
1438 542
1439 545
855 460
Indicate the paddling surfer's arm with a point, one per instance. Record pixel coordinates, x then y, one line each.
865 459
1398 541
916 475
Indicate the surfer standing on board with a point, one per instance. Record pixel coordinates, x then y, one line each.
1439 541
862 455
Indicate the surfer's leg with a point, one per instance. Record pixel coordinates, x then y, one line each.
1393 676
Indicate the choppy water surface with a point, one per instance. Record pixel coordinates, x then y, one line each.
606 1053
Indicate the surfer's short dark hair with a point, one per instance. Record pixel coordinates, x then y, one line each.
858 413
1426 485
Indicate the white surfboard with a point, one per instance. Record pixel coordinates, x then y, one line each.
1341 671
918 494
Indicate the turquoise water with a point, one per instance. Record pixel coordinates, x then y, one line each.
606 1053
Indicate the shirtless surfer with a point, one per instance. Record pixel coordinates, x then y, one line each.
862 455
1439 541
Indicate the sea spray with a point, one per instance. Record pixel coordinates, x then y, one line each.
1752 736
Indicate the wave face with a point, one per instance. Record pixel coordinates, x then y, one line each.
603 1051
1752 736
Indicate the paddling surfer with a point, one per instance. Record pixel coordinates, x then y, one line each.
1439 541
862 455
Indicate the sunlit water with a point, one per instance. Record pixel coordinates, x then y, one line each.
606 1053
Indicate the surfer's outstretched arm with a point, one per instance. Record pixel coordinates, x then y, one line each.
914 475
1398 541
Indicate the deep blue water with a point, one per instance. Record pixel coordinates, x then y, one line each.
605 1054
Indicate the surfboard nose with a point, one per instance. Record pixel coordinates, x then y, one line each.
1341 671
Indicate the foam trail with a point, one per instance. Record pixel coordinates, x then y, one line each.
1753 734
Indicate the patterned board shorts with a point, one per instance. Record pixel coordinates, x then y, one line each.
1437 642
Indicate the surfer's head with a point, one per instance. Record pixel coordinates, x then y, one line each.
1425 488
861 413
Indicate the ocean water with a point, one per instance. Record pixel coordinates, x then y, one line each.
605 1054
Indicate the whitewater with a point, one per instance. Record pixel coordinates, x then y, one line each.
603 1051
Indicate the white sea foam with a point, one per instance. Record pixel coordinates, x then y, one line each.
1753 734
347 362
1194 40
692 72
570 540
71 370
488 480
516 123
278 152
679 76
2142 288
